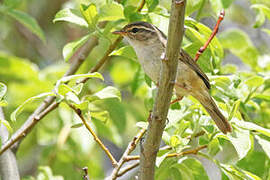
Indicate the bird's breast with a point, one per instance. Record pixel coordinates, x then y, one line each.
150 59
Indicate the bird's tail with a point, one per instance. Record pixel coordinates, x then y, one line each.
211 107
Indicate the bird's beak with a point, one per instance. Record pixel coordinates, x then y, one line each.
121 32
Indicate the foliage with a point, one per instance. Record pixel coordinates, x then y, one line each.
116 104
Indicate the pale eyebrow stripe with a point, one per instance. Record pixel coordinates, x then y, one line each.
141 27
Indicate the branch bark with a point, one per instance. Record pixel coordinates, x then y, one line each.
167 77
8 165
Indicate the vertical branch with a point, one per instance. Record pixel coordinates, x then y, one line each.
167 77
8 164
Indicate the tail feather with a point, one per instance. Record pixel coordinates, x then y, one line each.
221 122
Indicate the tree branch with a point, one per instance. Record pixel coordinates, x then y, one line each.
8 165
130 148
87 125
49 103
168 73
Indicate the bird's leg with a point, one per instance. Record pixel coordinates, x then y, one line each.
202 49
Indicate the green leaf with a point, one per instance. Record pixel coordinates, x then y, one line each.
103 116
64 89
28 21
90 14
267 31
77 125
251 126
151 4
213 147
240 45
262 11
241 141
111 12
265 145
7 125
21 107
70 48
77 76
234 109
12 3
254 81
260 19
70 15
3 90
3 103
126 51
106 93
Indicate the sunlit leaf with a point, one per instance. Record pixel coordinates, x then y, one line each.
241 141
90 14
70 15
70 48
254 81
3 90
100 115
240 45
106 93
262 12
265 145
151 4
15 113
3 103
7 125
111 12
77 76
28 21
126 51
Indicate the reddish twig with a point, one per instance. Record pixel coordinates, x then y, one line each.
202 49
87 125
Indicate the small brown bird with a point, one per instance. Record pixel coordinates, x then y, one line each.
149 44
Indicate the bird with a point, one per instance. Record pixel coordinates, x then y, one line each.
149 44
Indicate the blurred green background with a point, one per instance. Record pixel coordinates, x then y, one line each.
33 35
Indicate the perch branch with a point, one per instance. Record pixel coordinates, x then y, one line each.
168 73
214 32
88 127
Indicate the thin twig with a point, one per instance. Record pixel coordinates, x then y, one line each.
192 151
85 176
141 6
129 149
87 125
128 168
214 32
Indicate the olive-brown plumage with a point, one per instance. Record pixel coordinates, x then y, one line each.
149 44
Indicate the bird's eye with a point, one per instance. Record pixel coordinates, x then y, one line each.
134 30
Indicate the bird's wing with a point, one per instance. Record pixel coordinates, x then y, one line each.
185 58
